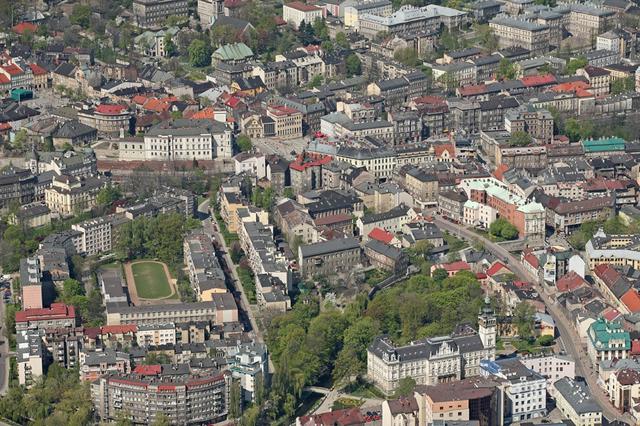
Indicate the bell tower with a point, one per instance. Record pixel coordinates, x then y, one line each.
487 328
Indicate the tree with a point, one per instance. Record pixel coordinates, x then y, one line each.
486 37
506 69
405 387
502 228
169 46
545 340
523 319
575 64
244 143
341 40
19 139
70 289
621 85
353 65
199 53
520 138
440 275
161 420
407 56
288 193
578 129
259 389
235 400
81 15
108 195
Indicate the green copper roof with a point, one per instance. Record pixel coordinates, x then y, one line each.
233 52
606 335
604 144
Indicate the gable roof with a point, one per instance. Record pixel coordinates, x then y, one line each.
381 235
570 282
496 268
631 300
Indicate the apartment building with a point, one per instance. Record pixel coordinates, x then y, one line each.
247 362
306 171
527 216
599 79
220 310
156 334
524 391
607 340
31 356
553 366
433 360
297 12
205 273
35 292
69 195
380 162
64 345
209 11
329 257
96 363
587 21
392 220
423 186
451 205
16 186
352 12
514 32
405 20
58 315
257 241
107 119
575 402
615 250
567 216
95 236
153 13
182 396
537 123
287 121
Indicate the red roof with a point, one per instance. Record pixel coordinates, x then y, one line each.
156 105
119 329
233 101
532 260
56 311
306 160
635 347
631 300
430 100
570 282
4 79
538 80
381 235
25 26
281 110
331 219
347 417
571 86
473 90
139 99
37 69
460 265
499 172
302 6
440 149
279 20
109 109
481 276
5 126
497 267
204 114
606 273
610 314
148 370
13 69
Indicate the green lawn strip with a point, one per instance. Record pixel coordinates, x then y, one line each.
248 284
150 280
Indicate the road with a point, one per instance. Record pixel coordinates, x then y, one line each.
332 395
211 228
4 357
570 337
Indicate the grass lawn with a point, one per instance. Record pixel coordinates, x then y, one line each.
342 403
151 281
362 389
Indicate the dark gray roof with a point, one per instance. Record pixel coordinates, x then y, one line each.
74 129
577 395
398 211
331 246
384 249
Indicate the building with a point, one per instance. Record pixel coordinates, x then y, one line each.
156 334
623 388
386 257
31 215
17 186
352 11
297 12
36 292
451 205
209 11
514 32
180 140
249 363
615 250
306 171
112 285
205 273
537 123
182 396
152 43
567 216
574 400
403 410
587 21
154 13
95 236
222 309
553 367
470 401
107 119
423 186
329 257
607 340
392 220
58 315
409 19
599 79
69 195
287 121
524 391
96 363
31 356
433 360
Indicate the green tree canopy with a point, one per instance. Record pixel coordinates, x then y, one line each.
199 53
520 138
506 69
502 228
574 64
353 65
244 143
81 15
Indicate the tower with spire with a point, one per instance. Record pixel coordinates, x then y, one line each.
487 327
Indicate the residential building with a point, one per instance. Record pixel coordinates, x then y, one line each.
58 315
587 21
575 402
287 121
615 250
599 79
96 363
423 186
514 32
386 257
567 216
209 11
329 257
31 356
306 171
205 273
250 365
16 186
524 391
95 236
433 360
112 284
451 205
353 11
392 220
607 340
36 292
152 43
107 119
153 13
537 123
297 12
156 334
31 215
182 396
552 366
69 195
623 388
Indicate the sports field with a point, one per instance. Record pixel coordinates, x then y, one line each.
151 280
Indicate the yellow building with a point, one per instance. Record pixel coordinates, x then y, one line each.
229 203
288 121
69 195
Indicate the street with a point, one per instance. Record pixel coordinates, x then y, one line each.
4 356
571 340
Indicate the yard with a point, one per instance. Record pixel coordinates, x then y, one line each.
151 280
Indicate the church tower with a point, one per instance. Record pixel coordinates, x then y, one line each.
487 327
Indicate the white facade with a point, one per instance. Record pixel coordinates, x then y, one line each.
478 215
253 164
296 12
95 236
552 367
156 335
